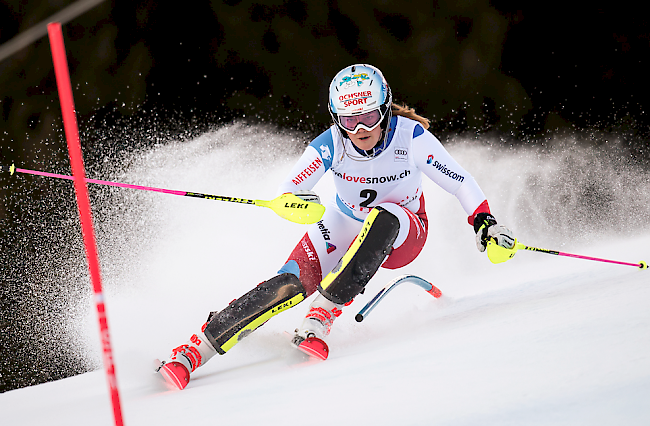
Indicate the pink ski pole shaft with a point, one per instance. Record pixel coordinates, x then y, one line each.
12 169
96 181
641 265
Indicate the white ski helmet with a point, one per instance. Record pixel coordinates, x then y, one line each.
356 92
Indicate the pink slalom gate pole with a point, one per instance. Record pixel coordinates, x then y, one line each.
83 201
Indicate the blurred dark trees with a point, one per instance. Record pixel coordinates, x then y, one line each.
473 66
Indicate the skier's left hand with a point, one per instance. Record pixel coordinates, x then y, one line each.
307 195
486 228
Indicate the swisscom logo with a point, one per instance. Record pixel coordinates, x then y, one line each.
442 168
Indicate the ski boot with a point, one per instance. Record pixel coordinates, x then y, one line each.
316 325
185 359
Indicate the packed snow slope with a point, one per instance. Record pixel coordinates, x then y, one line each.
538 340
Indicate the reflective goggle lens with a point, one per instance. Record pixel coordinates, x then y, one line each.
370 120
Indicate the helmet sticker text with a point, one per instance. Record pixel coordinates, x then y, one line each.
358 98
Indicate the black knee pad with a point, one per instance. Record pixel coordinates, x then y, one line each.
228 326
363 258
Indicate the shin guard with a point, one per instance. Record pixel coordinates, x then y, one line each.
227 327
363 258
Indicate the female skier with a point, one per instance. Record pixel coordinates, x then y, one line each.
377 153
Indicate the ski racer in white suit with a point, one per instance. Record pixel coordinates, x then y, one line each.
376 152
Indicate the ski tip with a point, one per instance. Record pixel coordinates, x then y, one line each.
175 374
314 347
643 265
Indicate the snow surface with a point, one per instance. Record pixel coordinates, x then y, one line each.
538 340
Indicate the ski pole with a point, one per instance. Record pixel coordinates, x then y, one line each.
498 254
287 206
426 285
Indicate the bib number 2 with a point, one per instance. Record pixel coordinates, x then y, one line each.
370 195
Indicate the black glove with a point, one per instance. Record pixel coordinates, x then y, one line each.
486 228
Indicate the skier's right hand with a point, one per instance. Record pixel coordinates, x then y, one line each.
307 195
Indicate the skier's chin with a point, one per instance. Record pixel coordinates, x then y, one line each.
366 140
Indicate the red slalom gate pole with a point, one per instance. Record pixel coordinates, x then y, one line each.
83 202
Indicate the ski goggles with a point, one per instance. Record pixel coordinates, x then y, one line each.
368 121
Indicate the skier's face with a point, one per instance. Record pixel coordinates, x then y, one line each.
364 139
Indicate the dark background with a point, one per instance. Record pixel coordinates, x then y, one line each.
146 71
